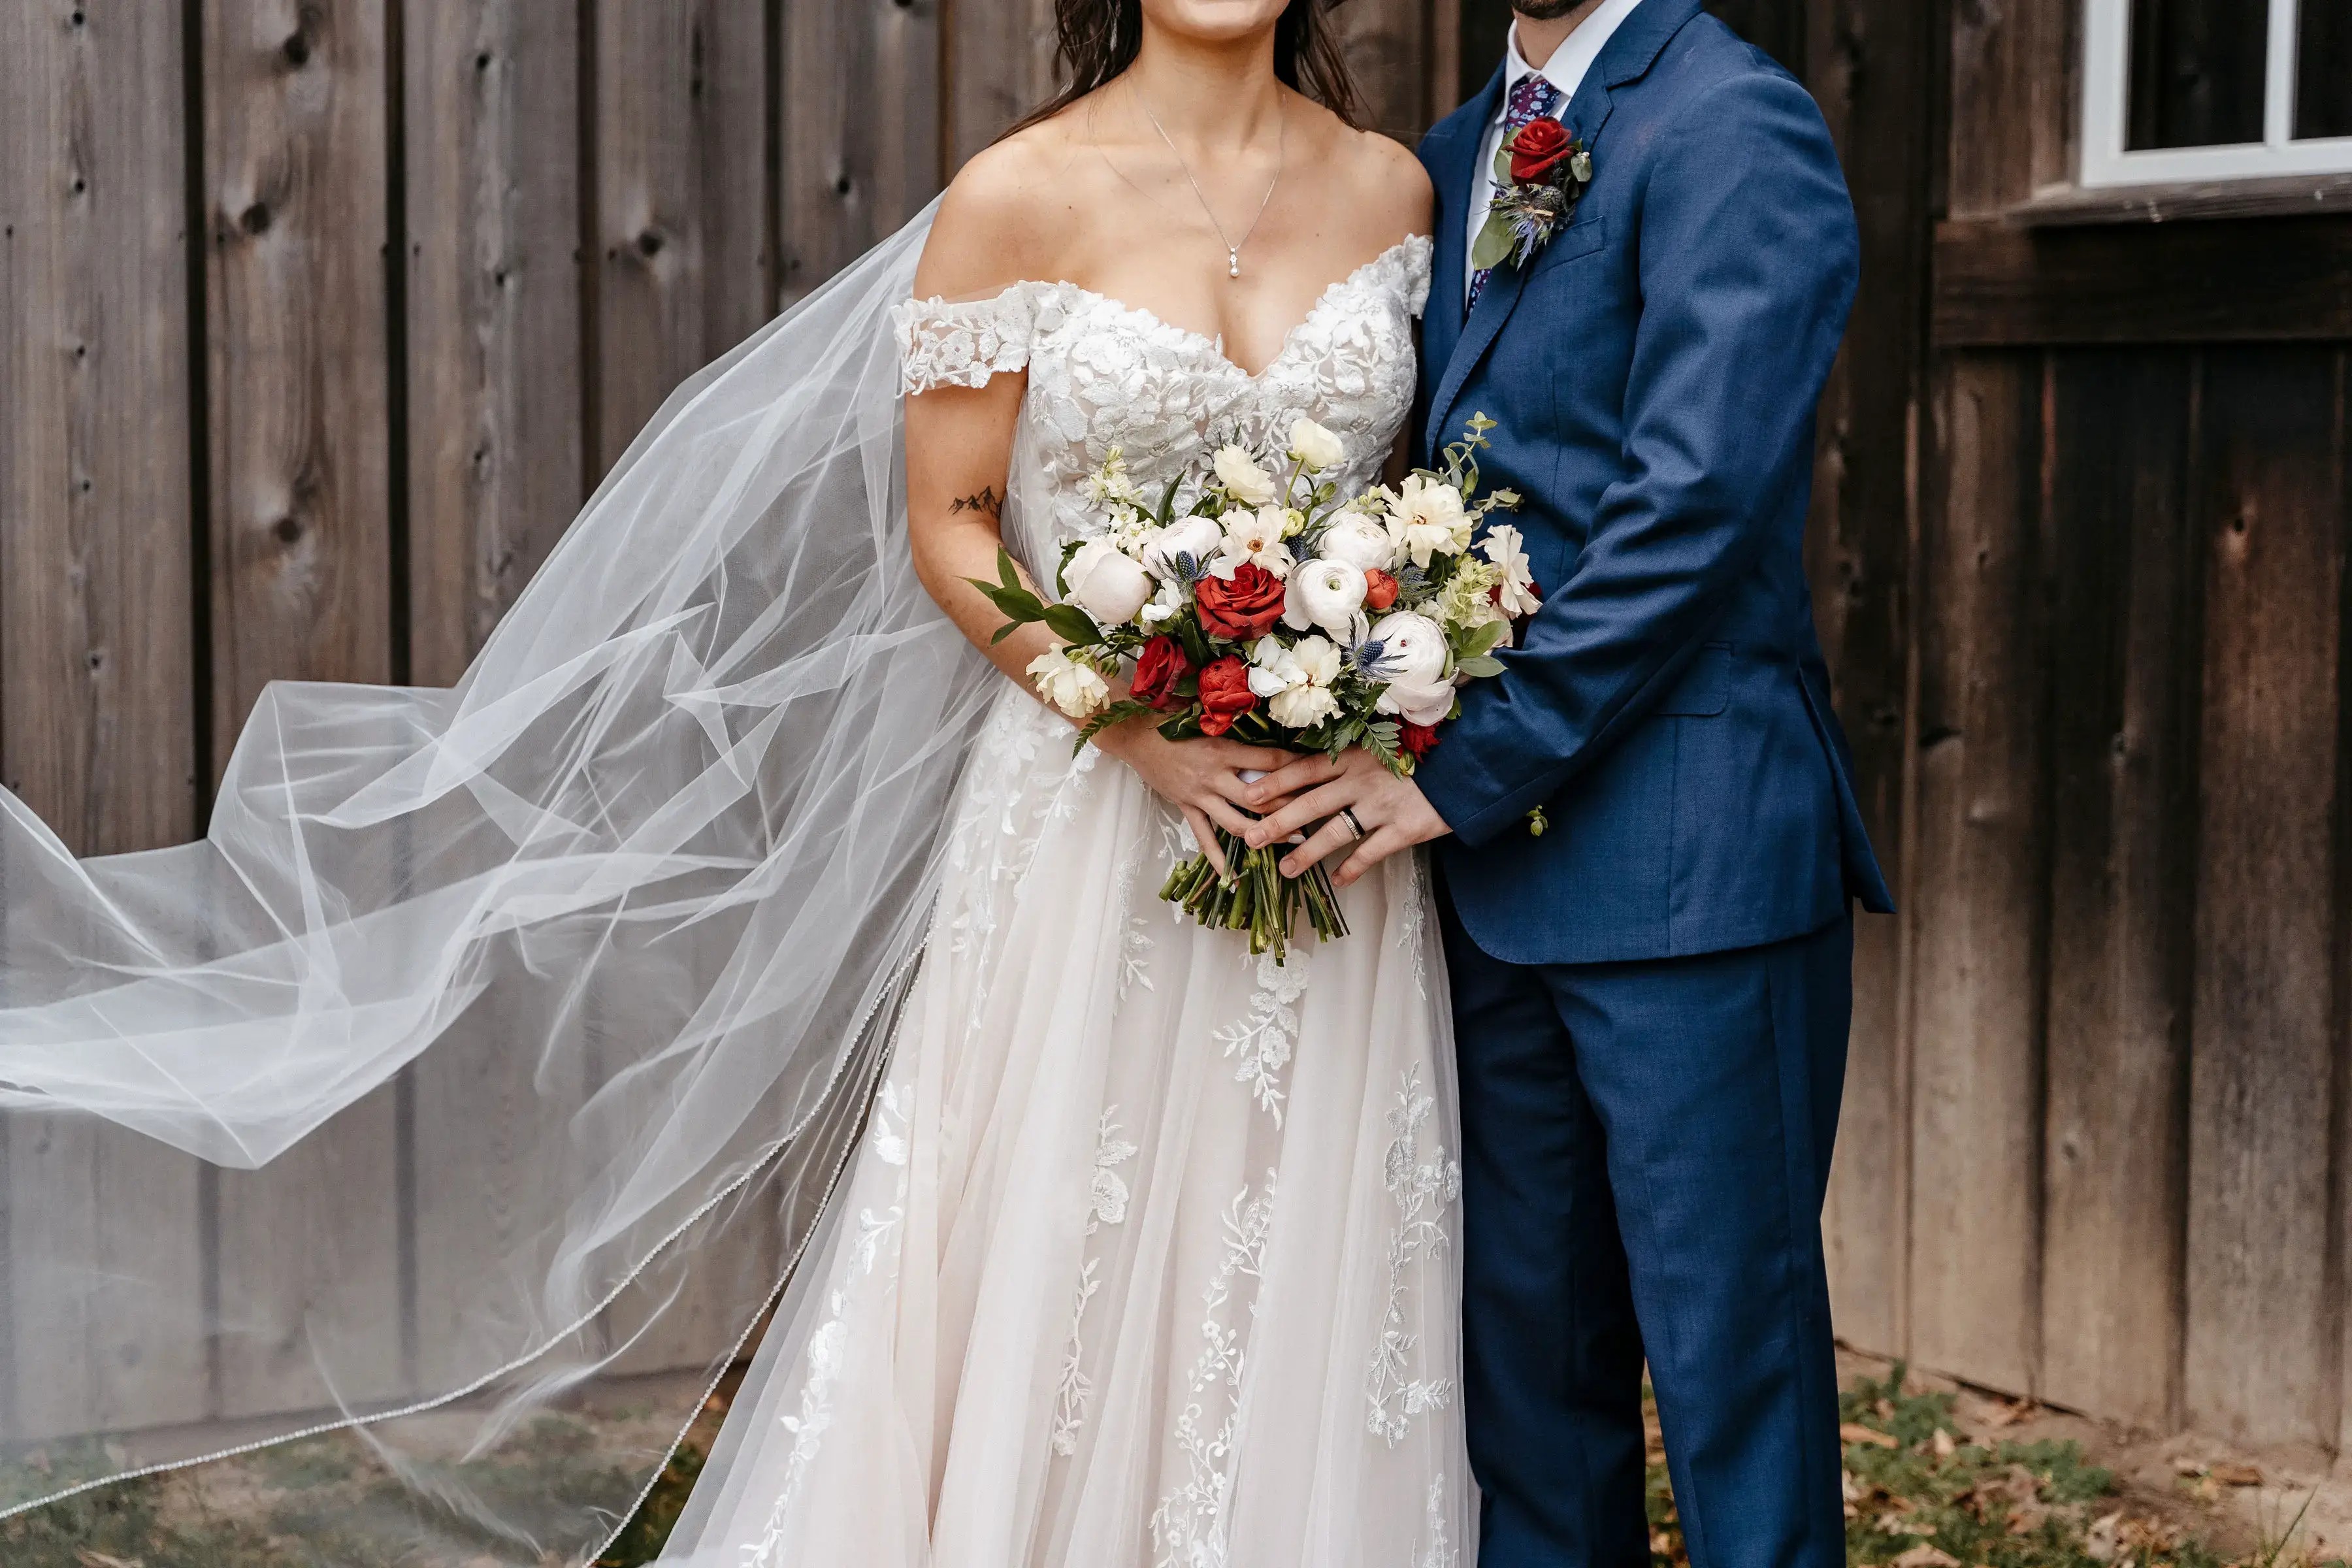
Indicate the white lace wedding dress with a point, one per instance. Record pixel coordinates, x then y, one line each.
1147 1254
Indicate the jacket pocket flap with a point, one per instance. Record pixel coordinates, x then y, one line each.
1705 688
1582 238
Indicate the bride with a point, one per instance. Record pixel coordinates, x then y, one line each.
1113 1245
1151 1261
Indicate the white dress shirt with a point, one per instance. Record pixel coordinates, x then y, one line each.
1566 70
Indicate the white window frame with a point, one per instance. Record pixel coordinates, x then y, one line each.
2106 110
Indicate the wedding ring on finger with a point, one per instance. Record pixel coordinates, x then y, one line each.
1355 826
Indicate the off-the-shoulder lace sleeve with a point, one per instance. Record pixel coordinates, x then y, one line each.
940 344
1417 254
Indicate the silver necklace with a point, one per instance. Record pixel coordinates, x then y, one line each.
1281 160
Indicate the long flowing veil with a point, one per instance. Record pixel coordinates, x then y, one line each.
489 1058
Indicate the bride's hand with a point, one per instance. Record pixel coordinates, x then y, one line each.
1200 777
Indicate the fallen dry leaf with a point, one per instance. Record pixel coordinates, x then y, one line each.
1855 1431
1945 1446
2237 1475
90 1559
2099 1543
1926 1556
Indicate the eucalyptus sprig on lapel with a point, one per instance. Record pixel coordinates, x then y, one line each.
1540 173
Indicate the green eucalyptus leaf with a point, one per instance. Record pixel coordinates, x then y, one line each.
1482 668
1072 624
1495 245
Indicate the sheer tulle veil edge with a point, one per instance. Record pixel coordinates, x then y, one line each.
501 1043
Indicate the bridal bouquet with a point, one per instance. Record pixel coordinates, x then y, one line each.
1251 599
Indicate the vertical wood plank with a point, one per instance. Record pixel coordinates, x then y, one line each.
1977 891
1862 559
2122 886
495 380
682 185
2010 129
2261 1345
295 158
682 192
1387 46
497 443
999 66
848 177
297 178
97 731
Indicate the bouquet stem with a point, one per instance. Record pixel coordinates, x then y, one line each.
1258 898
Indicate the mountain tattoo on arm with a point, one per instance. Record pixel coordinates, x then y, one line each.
988 504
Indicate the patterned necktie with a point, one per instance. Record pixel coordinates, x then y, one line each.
1532 99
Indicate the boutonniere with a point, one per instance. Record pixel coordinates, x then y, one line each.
1540 173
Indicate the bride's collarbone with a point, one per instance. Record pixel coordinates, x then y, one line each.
1250 320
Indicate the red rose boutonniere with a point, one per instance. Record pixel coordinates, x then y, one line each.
1540 173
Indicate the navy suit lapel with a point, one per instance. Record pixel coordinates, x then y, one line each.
1628 56
1452 156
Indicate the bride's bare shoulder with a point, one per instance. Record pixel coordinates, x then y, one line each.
1388 190
1007 215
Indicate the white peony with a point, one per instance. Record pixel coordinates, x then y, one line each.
1325 594
1364 542
1243 478
1316 447
1257 536
1417 702
1075 687
1503 546
1430 517
1295 680
1198 537
1106 583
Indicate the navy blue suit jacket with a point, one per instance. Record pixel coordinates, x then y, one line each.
1656 371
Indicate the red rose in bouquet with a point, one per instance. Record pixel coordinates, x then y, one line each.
1159 669
1539 149
1239 608
1226 693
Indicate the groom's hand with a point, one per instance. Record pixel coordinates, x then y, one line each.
1393 812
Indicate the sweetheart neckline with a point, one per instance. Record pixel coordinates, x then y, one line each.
1215 345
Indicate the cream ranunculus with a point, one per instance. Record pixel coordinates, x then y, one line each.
1431 517
1325 594
1106 583
1316 447
1504 547
1411 662
1295 680
1075 687
1243 478
1364 542
1198 537
1257 536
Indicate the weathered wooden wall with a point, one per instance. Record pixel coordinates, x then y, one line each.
321 317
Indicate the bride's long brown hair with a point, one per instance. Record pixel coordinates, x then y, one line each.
1099 38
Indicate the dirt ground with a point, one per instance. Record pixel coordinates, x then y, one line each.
2286 1505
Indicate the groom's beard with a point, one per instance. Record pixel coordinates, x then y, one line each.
1548 10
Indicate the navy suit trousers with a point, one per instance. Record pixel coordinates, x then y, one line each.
1645 1150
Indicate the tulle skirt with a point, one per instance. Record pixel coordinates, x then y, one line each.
1147 1253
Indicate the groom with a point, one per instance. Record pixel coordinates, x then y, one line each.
1648 838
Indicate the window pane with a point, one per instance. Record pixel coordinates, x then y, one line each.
2324 70
2197 71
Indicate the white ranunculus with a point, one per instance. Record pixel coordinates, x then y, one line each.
1316 447
1198 537
1257 536
1075 687
1243 478
1325 594
1364 542
1302 707
1413 648
1429 516
1295 680
1417 702
1503 546
1106 583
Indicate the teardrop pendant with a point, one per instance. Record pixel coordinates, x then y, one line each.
1234 256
